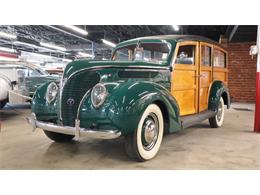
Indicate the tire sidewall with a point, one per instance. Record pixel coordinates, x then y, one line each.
220 123
144 154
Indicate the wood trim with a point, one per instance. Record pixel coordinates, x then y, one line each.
186 67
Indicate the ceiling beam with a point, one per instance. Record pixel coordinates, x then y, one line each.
233 32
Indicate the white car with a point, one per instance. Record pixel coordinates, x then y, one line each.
19 80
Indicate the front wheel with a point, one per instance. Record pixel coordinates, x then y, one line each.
58 137
145 142
218 119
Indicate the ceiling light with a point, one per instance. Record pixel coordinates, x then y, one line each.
66 60
176 27
8 49
85 55
108 43
7 35
36 46
31 54
77 29
26 44
52 46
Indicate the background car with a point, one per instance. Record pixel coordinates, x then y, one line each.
19 80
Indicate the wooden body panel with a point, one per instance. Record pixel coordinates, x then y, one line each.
204 87
219 73
205 79
185 83
191 83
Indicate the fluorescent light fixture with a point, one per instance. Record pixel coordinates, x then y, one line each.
108 43
77 29
8 59
66 60
10 50
53 46
31 54
85 55
26 44
36 46
7 35
176 27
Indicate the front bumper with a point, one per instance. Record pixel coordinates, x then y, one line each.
77 130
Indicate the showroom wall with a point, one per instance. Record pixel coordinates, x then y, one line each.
242 72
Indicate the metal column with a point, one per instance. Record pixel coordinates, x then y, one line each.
257 98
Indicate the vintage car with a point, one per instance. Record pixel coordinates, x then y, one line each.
19 80
151 86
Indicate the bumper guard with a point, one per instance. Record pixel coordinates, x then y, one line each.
77 130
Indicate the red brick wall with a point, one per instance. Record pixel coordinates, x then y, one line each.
242 72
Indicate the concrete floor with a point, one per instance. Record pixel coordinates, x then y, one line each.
234 146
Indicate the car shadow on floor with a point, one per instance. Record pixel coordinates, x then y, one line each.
87 151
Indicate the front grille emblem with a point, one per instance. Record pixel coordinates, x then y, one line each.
70 101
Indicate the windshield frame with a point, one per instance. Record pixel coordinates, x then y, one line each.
140 42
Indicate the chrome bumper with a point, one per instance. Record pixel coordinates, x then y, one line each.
77 130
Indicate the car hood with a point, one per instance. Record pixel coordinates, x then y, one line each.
94 64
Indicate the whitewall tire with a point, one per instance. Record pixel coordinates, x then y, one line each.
218 119
145 142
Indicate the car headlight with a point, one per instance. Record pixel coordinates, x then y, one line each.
98 95
51 92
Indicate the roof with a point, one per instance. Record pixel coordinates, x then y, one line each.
177 38
18 64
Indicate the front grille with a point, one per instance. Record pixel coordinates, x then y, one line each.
74 90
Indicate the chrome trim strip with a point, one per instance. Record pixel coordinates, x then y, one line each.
119 66
76 131
146 70
81 102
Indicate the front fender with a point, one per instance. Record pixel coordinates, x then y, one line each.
125 105
44 111
218 89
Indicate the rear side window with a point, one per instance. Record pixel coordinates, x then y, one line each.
186 55
205 55
219 59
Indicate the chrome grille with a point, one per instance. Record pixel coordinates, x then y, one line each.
73 92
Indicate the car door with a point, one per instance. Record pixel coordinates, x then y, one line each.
205 75
184 83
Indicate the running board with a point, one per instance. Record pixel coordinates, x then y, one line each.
187 121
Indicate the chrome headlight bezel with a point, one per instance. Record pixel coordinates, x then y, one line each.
98 91
51 92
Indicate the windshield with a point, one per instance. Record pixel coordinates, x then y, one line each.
148 52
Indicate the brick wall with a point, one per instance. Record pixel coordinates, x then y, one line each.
242 72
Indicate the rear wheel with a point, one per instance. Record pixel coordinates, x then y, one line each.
145 142
218 119
58 137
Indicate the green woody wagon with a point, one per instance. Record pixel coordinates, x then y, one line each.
150 87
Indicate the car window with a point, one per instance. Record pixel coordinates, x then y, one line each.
205 55
186 55
34 72
219 59
22 72
149 52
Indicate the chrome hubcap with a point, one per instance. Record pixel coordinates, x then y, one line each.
220 111
150 131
